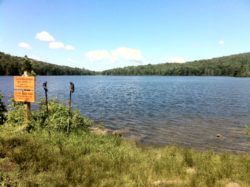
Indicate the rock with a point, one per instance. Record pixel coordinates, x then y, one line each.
219 136
167 182
118 132
233 184
121 132
98 131
104 131
190 171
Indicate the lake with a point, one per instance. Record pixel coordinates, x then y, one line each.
159 110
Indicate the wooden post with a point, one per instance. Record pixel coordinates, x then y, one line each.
69 122
46 96
70 96
27 107
72 89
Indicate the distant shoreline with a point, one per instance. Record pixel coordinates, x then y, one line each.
234 66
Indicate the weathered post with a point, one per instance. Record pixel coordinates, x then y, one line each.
46 95
27 107
72 90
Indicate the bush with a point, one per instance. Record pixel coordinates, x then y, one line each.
16 114
58 118
3 110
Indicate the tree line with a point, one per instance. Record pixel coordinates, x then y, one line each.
13 65
234 65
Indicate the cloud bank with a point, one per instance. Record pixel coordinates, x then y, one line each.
44 36
24 45
121 53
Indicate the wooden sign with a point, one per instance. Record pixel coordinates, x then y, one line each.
25 89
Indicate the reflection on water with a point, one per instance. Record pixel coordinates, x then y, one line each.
189 111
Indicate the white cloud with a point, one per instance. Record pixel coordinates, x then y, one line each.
45 37
98 55
126 53
60 45
69 47
221 42
70 60
56 45
121 53
24 45
53 44
174 59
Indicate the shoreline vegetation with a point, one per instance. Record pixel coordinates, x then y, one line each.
40 152
234 65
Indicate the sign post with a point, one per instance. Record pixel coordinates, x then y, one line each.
25 91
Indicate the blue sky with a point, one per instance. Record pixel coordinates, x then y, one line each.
103 34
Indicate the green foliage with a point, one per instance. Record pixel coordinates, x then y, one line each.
26 65
16 114
57 119
12 65
234 65
3 111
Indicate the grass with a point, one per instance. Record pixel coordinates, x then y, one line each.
43 154
85 159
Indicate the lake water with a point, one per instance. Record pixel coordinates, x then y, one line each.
159 110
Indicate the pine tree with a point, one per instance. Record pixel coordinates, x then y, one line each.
27 65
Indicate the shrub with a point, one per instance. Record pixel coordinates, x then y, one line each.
3 110
16 114
58 118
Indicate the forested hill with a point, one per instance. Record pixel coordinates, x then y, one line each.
234 65
12 65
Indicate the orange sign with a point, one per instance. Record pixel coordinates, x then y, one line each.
25 89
